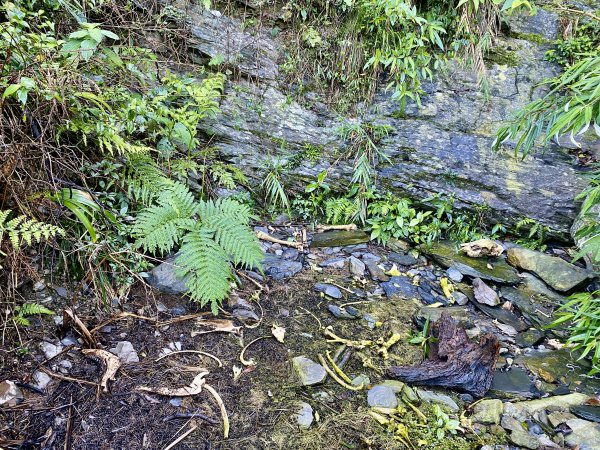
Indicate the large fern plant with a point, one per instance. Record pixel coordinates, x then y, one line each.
211 235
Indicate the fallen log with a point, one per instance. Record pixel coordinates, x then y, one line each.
454 361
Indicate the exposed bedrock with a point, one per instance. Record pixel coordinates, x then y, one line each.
442 147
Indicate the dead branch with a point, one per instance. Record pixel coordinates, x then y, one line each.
454 361
350 227
265 237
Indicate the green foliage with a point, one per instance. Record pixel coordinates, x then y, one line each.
443 424
348 47
29 309
221 235
582 314
83 206
362 146
274 190
340 211
570 108
103 100
23 230
396 218
423 338
402 42
83 43
210 235
311 37
536 234
160 227
589 232
584 43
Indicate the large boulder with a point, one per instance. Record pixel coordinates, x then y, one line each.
443 147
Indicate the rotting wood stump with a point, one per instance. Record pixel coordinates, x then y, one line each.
454 361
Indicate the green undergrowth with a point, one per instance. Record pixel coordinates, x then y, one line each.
128 177
569 110
347 48
353 427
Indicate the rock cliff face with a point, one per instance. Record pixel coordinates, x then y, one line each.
444 146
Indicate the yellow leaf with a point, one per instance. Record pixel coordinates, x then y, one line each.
447 287
393 272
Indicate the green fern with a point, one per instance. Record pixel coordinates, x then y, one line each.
29 309
204 264
160 227
22 229
144 179
211 234
340 210
274 190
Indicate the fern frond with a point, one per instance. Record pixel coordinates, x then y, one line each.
145 180
22 321
274 191
29 309
28 230
340 210
204 264
228 220
160 227
32 309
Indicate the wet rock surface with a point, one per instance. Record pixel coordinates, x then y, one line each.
447 255
382 396
556 272
340 291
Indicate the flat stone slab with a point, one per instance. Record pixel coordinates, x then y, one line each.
307 371
339 238
446 254
503 315
585 434
532 406
329 289
556 272
382 396
400 286
488 412
535 300
513 383
438 399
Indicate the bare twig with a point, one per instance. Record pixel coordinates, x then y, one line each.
250 362
350 227
87 336
65 378
265 237
224 415
181 416
192 351
181 438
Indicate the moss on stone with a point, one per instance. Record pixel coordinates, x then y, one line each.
503 57
531 37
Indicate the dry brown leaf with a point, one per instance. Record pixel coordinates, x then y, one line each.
482 247
10 394
278 332
194 388
112 363
217 326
